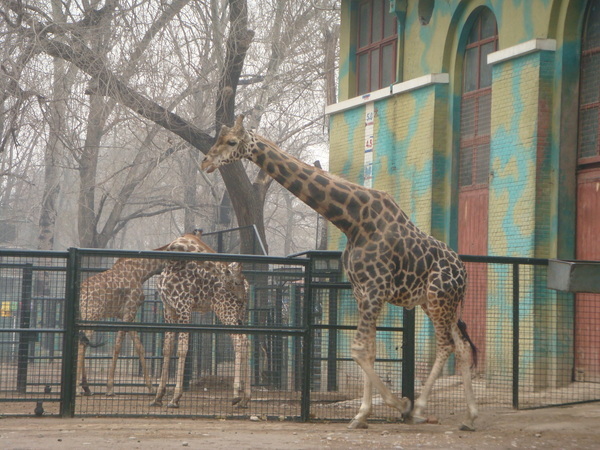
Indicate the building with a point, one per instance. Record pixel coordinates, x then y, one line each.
481 117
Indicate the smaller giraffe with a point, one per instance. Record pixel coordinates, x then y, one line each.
187 286
116 293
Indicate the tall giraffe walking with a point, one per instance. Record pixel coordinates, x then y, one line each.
190 285
387 259
118 293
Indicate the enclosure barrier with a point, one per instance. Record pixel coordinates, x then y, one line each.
301 319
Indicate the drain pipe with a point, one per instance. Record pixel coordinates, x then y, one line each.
399 7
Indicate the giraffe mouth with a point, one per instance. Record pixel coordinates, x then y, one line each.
208 166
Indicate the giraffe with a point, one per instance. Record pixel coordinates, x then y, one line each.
191 285
387 259
117 293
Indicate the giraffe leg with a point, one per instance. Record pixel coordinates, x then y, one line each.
241 379
164 375
441 355
182 349
360 420
110 392
245 362
139 347
363 352
448 339
444 347
81 373
465 357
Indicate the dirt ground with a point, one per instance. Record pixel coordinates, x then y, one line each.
567 427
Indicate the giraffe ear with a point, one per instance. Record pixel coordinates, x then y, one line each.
235 267
224 130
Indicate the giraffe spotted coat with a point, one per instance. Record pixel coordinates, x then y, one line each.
387 259
192 285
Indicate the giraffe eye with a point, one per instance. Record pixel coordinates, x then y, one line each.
231 142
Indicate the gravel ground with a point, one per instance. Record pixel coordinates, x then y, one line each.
551 428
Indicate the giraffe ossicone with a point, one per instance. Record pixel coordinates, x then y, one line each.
387 259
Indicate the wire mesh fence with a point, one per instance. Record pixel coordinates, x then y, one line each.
300 322
230 240
32 293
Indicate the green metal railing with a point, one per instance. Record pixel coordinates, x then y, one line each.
302 321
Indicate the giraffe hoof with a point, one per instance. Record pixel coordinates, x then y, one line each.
244 403
110 394
357 424
240 402
464 427
407 406
416 420
156 403
173 405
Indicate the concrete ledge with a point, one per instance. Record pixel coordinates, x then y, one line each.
394 89
534 45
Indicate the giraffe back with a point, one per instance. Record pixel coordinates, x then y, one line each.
187 286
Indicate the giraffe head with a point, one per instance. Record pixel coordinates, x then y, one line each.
232 145
189 242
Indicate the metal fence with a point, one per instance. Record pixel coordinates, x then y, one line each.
301 321
229 241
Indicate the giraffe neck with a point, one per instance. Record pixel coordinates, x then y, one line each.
140 268
336 199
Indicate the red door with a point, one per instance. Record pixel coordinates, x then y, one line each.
587 306
474 169
472 240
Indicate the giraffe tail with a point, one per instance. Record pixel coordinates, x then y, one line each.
463 331
83 338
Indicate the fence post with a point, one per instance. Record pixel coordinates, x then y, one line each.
70 337
308 344
408 354
25 337
515 343
332 346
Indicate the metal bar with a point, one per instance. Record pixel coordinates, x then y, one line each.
504 260
332 347
408 354
295 317
377 360
31 330
330 285
307 360
353 327
220 242
30 265
187 328
70 339
515 343
25 323
225 257
35 253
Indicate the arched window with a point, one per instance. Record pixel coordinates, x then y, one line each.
589 94
376 46
476 101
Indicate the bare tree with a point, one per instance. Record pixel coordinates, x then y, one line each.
196 69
